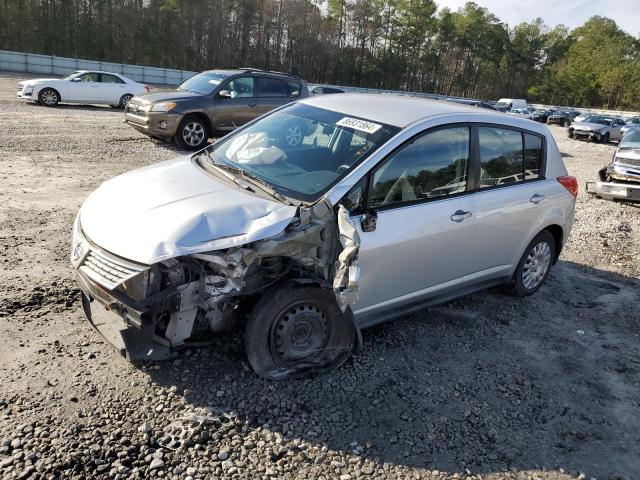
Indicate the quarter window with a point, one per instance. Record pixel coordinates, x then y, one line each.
269 87
433 166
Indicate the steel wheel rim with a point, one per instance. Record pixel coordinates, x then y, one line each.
294 135
193 134
299 333
49 97
536 265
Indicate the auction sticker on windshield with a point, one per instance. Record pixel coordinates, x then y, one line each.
357 124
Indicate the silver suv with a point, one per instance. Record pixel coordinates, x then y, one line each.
387 204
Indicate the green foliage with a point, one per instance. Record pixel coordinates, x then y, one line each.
396 44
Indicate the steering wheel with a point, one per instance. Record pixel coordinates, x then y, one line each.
343 168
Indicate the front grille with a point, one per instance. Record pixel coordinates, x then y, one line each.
628 161
107 270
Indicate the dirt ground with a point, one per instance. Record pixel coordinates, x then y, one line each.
487 386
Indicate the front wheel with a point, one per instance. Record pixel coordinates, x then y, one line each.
49 97
534 266
605 139
296 329
192 133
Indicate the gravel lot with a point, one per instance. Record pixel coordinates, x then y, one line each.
488 386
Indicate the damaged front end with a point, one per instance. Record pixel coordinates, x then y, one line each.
148 311
619 180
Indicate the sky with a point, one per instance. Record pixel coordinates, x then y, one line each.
571 13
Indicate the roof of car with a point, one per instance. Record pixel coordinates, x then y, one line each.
397 110
249 70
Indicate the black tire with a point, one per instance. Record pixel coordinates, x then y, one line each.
536 276
297 329
193 133
124 100
605 139
49 97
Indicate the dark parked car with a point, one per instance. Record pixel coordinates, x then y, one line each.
213 102
325 90
562 117
541 115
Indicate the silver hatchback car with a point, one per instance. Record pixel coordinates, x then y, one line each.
387 205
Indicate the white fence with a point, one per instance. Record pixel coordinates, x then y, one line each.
52 65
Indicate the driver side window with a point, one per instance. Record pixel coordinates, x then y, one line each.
432 166
89 77
241 87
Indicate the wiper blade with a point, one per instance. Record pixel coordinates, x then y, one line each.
264 186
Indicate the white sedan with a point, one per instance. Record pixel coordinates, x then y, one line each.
92 87
521 112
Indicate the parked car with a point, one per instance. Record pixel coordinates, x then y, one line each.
87 87
630 124
597 128
214 102
541 115
582 117
506 104
562 117
325 90
472 103
521 112
621 178
345 229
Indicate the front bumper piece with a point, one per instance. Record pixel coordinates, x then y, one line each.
618 189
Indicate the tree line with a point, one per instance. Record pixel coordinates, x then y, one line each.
397 44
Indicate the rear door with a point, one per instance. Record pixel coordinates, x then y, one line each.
509 202
112 88
418 247
271 93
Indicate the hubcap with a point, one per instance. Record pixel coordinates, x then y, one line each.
49 97
125 100
294 135
536 265
299 333
193 134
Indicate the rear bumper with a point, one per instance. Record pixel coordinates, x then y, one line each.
163 125
123 323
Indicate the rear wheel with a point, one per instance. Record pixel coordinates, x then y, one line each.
534 266
49 97
295 329
192 133
124 100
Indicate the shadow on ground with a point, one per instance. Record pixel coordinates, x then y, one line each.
488 382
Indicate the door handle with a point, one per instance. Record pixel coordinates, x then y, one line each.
460 215
252 105
537 198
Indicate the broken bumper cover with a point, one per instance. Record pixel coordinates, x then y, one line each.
614 190
122 322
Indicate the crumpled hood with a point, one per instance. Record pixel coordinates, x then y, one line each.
175 208
595 127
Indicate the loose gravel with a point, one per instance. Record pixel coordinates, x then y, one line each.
487 386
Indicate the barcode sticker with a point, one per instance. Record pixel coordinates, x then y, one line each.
357 124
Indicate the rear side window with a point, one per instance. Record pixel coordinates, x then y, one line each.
106 78
269 87
293 89
508 156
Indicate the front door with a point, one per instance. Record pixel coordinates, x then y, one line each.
418 248
237 109
86 89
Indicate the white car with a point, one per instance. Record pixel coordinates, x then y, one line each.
521 112
89 87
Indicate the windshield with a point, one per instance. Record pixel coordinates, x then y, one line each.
631 140
598 119
301 151
203 83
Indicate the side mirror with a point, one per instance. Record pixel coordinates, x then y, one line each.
368 221
224 94
75 79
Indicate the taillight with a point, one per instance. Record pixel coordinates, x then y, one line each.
146 87
570 183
